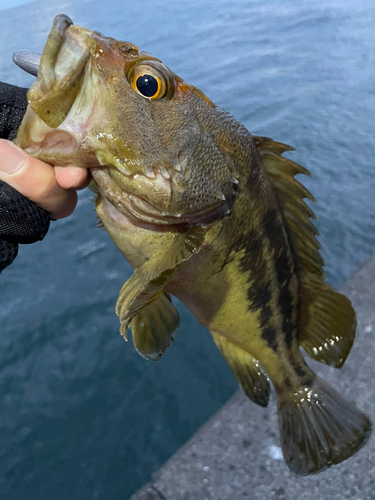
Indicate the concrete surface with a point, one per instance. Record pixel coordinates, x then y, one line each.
236 455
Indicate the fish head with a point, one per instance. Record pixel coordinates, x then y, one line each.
151 140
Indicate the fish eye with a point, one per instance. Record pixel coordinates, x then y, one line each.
148 85
151 80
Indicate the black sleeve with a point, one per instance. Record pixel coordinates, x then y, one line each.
13 104
21 220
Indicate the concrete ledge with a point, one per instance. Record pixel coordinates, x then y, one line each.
236 455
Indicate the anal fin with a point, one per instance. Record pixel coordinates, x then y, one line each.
154 327
328 323
249 372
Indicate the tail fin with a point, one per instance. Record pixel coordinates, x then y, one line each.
319 428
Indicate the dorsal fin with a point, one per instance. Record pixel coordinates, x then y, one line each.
290 194
327 319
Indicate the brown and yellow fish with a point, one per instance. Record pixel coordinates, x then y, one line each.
209 213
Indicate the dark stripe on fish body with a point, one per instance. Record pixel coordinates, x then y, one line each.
286 309
283 266
265 316
287 382
300 371
274 231
259 290
284 272
259 295
269 335
271 225
276 236
252 260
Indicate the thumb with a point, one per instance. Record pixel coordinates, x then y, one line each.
36 180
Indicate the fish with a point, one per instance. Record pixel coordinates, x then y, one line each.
208 213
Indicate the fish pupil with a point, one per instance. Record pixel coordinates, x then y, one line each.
147 85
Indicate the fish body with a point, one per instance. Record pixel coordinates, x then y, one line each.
209 213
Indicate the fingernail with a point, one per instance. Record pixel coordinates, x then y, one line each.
12 157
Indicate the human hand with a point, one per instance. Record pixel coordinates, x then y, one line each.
51 188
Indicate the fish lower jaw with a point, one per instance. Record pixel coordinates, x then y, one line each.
141 211
122 220
129 204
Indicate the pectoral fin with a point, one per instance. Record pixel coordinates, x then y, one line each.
251 375
148 282
154 328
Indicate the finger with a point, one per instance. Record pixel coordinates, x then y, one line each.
36 180
72 177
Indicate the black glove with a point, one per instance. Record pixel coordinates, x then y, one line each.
21 220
